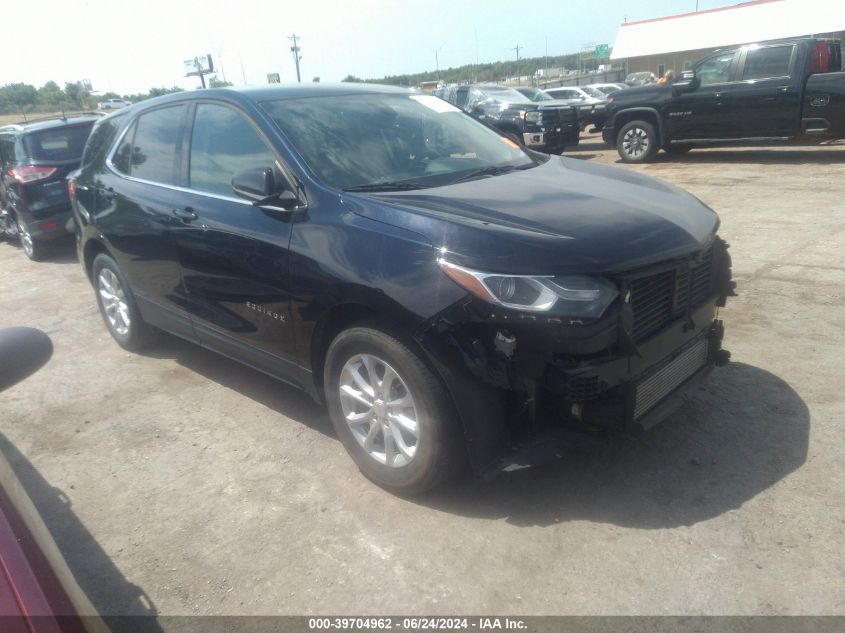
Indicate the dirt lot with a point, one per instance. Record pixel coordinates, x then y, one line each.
178 482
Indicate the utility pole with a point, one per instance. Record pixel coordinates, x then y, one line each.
518 78
437 61
546 61
296 56
475 79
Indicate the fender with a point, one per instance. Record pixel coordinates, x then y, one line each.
649 110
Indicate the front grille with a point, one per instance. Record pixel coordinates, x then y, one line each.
553 117
653 388
585 388
659 299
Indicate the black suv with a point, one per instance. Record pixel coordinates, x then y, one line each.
446 293
549 127
35 159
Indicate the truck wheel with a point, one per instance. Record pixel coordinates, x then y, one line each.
390 411
637 142
117 306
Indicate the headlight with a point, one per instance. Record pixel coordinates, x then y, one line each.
532 117
576 296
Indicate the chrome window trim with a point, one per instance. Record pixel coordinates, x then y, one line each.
163 185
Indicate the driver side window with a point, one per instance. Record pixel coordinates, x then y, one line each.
717 69
224 143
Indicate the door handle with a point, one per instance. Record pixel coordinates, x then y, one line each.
187 214
785 89
718 95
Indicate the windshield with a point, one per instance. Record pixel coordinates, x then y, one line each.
535 94
593 92
61 143
504 94
358 140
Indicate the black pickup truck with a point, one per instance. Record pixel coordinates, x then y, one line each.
550 126
790 91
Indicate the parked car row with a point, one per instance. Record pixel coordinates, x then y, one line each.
550 127
449 294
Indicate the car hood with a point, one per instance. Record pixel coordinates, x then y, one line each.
564 216
557 103
640 93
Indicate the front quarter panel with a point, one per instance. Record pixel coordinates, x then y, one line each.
340 258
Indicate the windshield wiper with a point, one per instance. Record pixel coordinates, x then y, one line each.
492 170
399 185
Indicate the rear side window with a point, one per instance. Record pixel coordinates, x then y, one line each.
224 143
7 150
100 140
155 149
769 61
59 144
122 155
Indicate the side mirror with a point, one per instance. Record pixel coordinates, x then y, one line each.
687 82
254 184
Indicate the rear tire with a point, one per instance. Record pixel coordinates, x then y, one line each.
391 412
637 142
32 248
117 306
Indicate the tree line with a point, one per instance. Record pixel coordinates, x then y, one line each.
22 98
486 72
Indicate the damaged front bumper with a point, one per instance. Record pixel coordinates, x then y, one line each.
519 380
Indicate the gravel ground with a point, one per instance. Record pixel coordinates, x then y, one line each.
178 482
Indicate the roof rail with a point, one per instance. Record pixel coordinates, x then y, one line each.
63 116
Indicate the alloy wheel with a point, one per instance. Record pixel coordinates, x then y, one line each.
635 142
114 301
26 241
380 410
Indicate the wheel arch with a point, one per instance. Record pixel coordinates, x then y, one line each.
650 115
92 248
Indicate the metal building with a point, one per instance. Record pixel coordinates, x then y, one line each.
676 42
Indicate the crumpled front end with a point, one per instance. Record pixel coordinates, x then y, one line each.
519 377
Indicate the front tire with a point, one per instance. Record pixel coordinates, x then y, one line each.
637 142
391 412
117 306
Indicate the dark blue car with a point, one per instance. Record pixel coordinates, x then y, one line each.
450 295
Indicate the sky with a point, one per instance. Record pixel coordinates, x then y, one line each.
128 47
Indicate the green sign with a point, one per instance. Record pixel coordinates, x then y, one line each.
273 78
602 51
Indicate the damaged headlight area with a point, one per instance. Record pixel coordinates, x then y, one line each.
574 296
